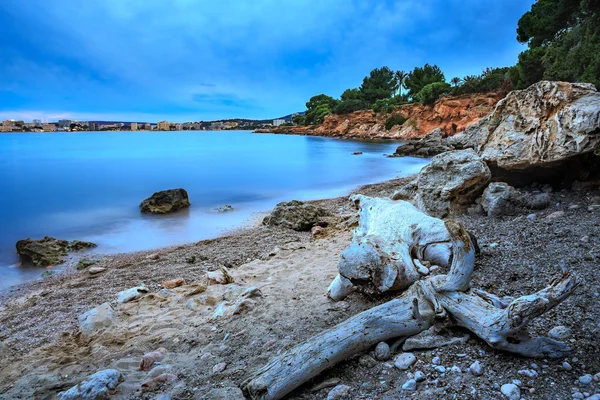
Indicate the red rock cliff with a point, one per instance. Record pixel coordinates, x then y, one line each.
451 114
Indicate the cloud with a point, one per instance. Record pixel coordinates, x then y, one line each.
192 60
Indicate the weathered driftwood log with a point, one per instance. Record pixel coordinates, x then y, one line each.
444 298
393 246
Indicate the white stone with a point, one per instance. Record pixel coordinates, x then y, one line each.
131 294
560 332
476 368
339 392
410 385
404 361
511 391
97 318
419 376
440 368
530 373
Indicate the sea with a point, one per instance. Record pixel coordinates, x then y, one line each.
88 185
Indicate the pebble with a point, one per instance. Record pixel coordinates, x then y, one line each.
382 351
436 360
440 368
585 379
476 368
532 217
530 373
404 361
556 214
410 385
597 377
456 369
559 332
96 270
594 397
419 376
566 366
517 382
220 367
511 391
367 361
339 392
578 395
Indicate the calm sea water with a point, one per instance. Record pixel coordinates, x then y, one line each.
88 186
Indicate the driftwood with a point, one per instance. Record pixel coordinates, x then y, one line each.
427 301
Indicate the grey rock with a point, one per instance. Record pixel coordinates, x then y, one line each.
560 332
410 385
48 251
298 216
440 368
566 366
407 192
436 360
419 376
97 318
532 217
586 379
98 386
339 392
476 368
536 201
529 373
165 201
382 351
131 294
429 145
511 391
227 393
404 361
500 199
367 361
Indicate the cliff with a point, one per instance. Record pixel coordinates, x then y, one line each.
450 114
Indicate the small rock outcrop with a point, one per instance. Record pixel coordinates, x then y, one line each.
98 386
165 201
532 131
499 199
48 251
451 182
298 216
428 146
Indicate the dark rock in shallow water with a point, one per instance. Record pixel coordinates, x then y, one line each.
48 251
428 146
298 216
165 201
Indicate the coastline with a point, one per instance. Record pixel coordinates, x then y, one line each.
47 353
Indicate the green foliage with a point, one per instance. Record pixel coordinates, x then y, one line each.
381 83
385 105
393 120
490 80
351 94
348 106
299 119
420 77
318 107
433 91
564 43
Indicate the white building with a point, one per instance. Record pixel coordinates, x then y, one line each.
134 126
277 122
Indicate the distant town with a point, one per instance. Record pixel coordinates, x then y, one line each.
67 125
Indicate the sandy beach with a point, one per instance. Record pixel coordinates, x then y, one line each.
45 353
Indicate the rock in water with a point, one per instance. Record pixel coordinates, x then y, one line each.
165 201
298 216
532 131
48 251
98 386
500 199
429 145
96 318
451 182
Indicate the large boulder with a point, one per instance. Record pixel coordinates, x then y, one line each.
532 131
165 201
298 216
429 145
451 182
499 199
48 251
99 386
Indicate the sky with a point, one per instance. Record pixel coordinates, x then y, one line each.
192 60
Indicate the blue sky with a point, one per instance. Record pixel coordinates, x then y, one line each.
190 60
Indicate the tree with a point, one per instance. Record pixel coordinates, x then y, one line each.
351 94
400 77
381 83
418 78
430 93
348 106
455 81
318 107
299 119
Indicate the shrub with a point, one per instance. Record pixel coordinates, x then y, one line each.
431 92
348 106
394 120
384 105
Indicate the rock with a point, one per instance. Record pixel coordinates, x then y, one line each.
339 392
382 351
48 251
165 201
159 370
455 369
225 208
159 381
96 270
173 283
407 192
586 379
85 263
440 368
410 385
533 133
98 386
317 230
532 217
297 215
429 145
536 201
451 182
228 393
220 276
560 332
220 367
404 361
367 361
529 373
566 366
476 368
325 384
97 318
556 214
500 199
233 292
436 360
244 303
419 376
152 357
357 153
131 294
511 391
